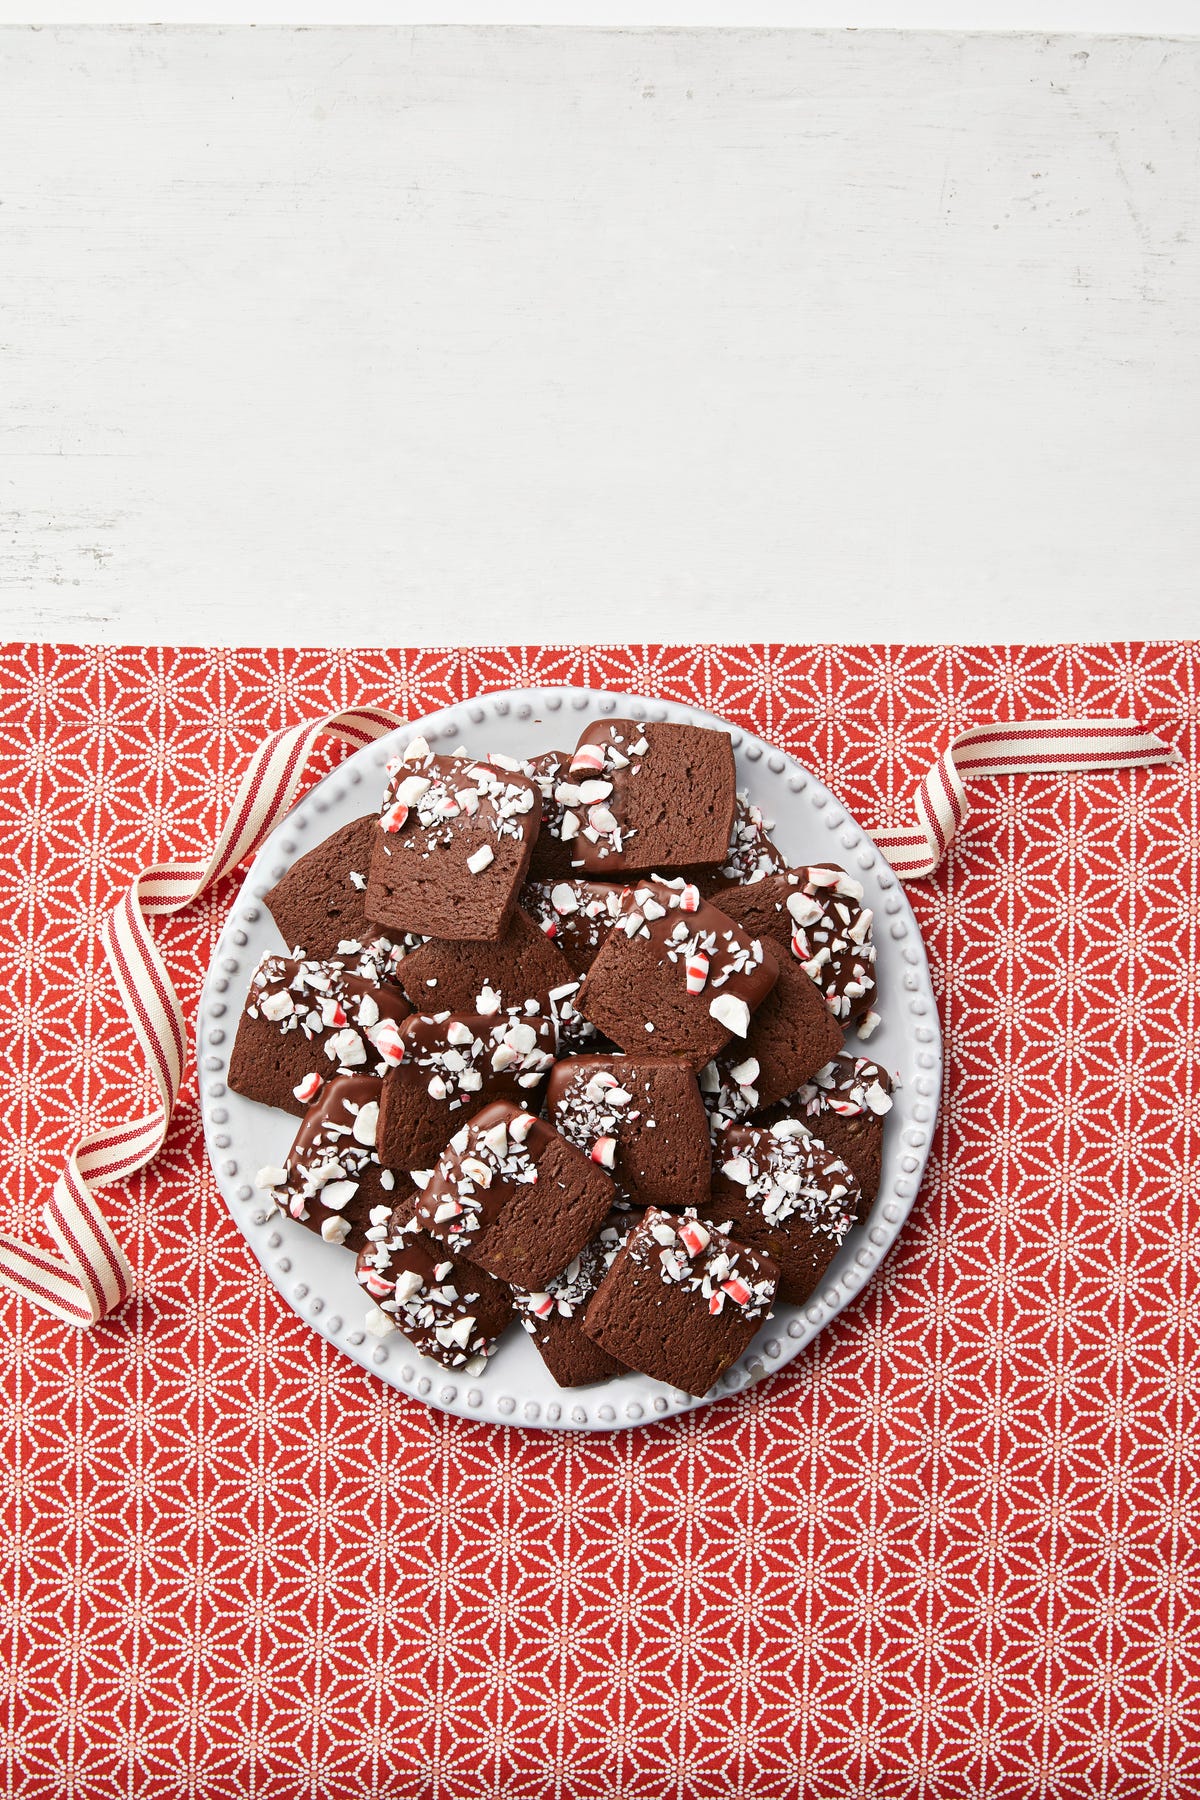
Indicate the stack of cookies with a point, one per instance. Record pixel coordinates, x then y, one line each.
565 1040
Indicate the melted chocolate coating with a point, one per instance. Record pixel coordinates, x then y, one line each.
448 1309
332 1181
575 915
319 1000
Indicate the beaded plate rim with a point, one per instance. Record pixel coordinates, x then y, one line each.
286 1250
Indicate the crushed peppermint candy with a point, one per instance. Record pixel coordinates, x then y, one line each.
570 1292
786 1171
752 855
479 1166
606 760
832 938
430 799
709 949
332 1155
346 1048
547 771
592 1110
731 1011
325 1005
575 1033
729 1090
694 1236
690 977
453 1055
587 757
379 961
435 1301
696 969
701 1259
577 915
850 1086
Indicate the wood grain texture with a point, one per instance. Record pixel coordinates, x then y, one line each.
434 335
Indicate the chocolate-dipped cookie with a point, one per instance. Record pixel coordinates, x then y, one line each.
648 797
453 1064
447 973
845 1105
555 1317
817 912
448 1309
331 1181
792 1034
752 853
453 844
676 974
305 1021
552 857
788 1194
576 915
513 1196
639 1117
681 1301
320 904
452 972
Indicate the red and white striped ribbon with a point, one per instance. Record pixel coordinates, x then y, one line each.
91 1276
1023 747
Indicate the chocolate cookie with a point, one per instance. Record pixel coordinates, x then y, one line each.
513 1196
320 904
792 1033
305 1021
648 797
453 844
455 1063
551 859
639 1117
576 915
681 1301
332 1181
751 853
844 1105
818 912
785 1192
676 968
447 1309
453 974
555 1317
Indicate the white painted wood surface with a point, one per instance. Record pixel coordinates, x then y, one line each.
415 336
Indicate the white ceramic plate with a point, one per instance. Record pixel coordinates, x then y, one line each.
317 1279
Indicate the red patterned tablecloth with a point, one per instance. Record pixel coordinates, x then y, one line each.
952 1551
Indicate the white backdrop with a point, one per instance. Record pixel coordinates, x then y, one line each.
1136 17
414 335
